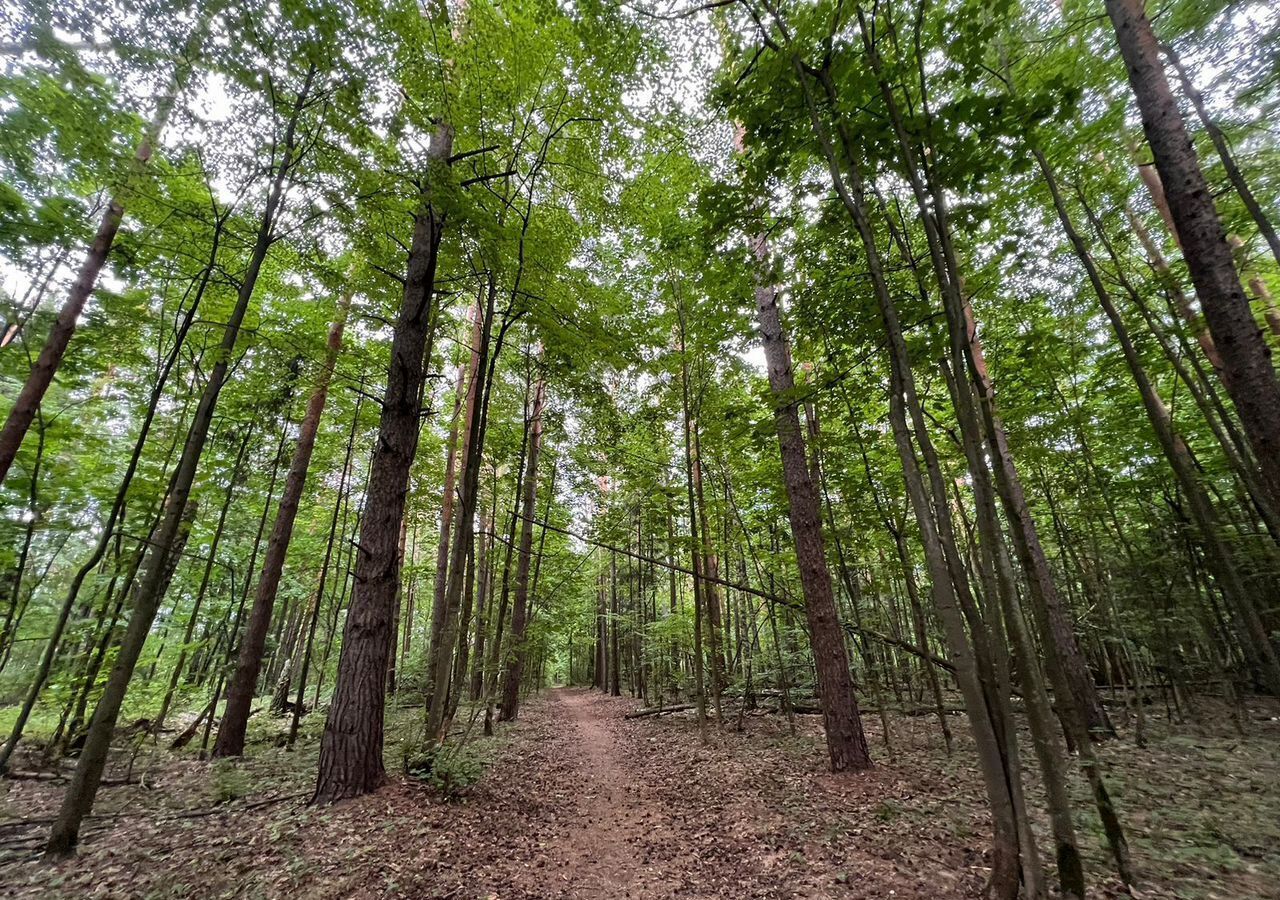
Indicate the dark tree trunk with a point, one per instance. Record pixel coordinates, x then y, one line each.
846 743
244 682
1247 369
351 748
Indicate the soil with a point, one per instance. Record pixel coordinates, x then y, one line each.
577 801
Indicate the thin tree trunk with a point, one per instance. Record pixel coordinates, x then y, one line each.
118 503
24 408
1176 452
1265 228
516 657
1004 879
338 504
83 789
244 681
473 452
158 723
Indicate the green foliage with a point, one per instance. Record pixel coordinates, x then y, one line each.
450 770
230 781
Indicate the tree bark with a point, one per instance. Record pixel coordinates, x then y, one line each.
1247 370
351 748
244 682
846 743
516 656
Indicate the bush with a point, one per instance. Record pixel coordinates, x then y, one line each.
450 770
229 781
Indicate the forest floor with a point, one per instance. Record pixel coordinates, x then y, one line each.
577 801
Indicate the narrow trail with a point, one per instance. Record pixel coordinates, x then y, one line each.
575 801
608 845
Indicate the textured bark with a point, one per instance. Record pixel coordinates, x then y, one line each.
468 494
1247 369
83 789
517 656
1238 181
244 682
846 743
351 748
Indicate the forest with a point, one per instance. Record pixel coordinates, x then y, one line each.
640 448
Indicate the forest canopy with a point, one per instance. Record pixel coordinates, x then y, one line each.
368 367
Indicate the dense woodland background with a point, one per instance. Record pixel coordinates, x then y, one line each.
731 356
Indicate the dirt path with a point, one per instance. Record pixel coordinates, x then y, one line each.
606 848
576 801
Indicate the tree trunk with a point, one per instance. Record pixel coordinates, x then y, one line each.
516 656
473 452
83 788
23 411
1217 552
351 748
203 590
846 743
244 682
338 505
448 493
1248 372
